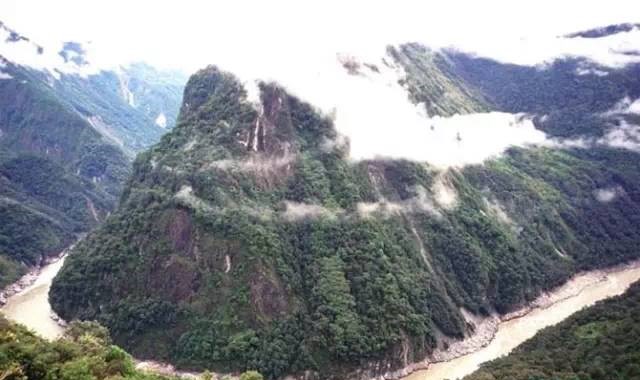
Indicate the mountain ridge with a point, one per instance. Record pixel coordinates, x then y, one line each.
62 166
279 252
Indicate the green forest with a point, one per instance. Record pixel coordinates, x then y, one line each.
242 243
66 147
85 352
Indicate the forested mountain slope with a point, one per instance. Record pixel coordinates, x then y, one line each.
601 342
67 139
249 238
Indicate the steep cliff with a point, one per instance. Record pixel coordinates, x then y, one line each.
249 238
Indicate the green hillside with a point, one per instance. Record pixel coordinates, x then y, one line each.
84 353
66 145
241 241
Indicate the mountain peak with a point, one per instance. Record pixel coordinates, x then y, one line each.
605 31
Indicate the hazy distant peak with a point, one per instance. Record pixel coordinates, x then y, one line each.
13 35
605 31
10 36
74 52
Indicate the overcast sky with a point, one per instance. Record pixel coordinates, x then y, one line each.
190 34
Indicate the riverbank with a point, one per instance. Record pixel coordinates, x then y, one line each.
30 306
27 303
164 369
30 277
453 355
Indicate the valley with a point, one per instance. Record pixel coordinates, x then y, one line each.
399 211
30 306
492 338
512 330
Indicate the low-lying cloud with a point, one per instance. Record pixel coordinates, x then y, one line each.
608 194
625 106
257 163
623 135
295 211
374 112
422 202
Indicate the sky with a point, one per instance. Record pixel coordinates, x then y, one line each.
189 34
296 43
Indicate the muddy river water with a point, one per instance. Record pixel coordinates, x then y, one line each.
589 288
31 307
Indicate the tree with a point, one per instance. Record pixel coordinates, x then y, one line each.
77 329
251 375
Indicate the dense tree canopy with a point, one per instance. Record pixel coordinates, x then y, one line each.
243 242
84 353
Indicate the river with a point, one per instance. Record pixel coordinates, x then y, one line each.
592 287
31 307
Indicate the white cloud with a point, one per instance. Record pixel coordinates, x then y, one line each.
257 164
625 136
591 71
161 120
295 211
374 112
606 195
422 202
625 106
296 44
192 33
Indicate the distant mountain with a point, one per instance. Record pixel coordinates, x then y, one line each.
605 31
600 342
68 132
251 238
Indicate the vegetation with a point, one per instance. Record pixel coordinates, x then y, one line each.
65 149
601 342
84 353
127 102
278 254
432 80
48 160
573 104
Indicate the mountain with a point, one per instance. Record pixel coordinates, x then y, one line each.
605 31
600 342
68 134
253 237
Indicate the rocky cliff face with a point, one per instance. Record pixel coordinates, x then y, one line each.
249 238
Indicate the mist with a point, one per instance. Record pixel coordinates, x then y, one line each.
299 46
